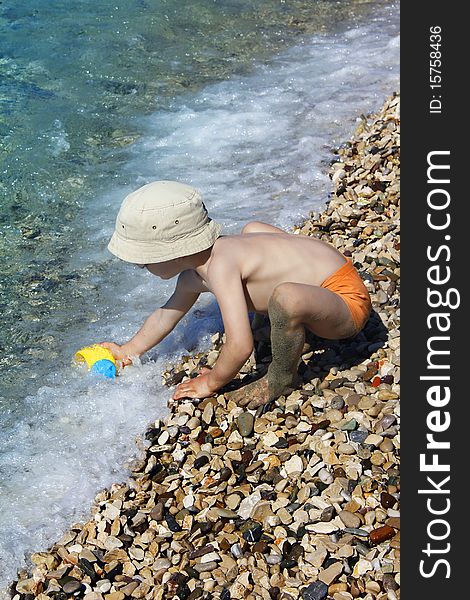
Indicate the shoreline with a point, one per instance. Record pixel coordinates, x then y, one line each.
298 501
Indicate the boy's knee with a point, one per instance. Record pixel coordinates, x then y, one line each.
283 299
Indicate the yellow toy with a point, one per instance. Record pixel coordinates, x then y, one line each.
98 359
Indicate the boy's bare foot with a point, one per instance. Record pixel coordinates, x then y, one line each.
252 395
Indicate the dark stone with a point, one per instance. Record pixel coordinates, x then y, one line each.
225 474
387 500
200 551
328 562
251 531
196 593
87 567
201 461
282 443
274 593
301 531
191 572
327 514
315 591
339 472
176 378
337 402
320 425
268 495
247 456
358 436
389 582
218 526
335 383
71 586
205 527
261 547
172 523
296 552
288 563
157 474
225 594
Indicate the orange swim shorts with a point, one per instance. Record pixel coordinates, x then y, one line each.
347 283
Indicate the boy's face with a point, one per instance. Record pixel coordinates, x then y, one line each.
165 270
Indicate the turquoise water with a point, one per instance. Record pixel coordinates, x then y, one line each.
75 77
244 100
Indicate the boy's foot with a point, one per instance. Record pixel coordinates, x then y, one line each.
252 395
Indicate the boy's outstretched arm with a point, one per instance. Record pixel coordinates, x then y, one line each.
227 286
160 323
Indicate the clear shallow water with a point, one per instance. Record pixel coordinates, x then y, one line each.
120 94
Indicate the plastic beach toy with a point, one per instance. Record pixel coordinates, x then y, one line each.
98 359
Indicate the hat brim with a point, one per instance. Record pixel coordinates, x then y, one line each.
143 253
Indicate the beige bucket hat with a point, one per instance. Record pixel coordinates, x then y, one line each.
161 221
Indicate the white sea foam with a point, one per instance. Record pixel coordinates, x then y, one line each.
259 148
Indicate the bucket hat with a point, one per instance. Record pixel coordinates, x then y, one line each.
161 221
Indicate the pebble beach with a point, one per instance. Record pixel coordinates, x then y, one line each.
299 499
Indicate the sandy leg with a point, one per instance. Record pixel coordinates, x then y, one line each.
287 341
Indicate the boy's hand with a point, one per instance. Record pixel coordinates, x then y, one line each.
119 353
195 388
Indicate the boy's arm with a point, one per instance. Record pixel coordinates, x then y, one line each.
161 322
226 284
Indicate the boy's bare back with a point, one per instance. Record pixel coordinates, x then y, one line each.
263 260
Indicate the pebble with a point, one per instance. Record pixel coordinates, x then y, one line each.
315 591
294 465
358 436
325 476
381 534
270 439
349 519
246 422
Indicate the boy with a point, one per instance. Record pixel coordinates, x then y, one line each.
297 281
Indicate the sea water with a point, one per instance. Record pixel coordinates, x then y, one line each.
244 100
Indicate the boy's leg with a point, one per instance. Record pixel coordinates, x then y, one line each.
292 307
